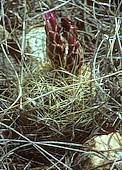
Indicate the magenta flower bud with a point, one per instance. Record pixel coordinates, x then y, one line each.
55 46
74 58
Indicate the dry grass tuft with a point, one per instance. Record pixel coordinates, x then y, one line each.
46 115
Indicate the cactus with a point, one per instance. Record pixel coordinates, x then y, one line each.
56 46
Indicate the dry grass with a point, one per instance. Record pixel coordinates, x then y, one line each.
46 115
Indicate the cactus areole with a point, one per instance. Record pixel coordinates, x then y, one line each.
55 45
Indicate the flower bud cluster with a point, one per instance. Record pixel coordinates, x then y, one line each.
56 47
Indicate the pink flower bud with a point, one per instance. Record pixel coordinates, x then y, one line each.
55 46
74 58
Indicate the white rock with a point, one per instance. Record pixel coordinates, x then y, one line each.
36 43
111 148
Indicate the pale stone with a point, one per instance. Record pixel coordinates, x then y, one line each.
36 43
111 148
